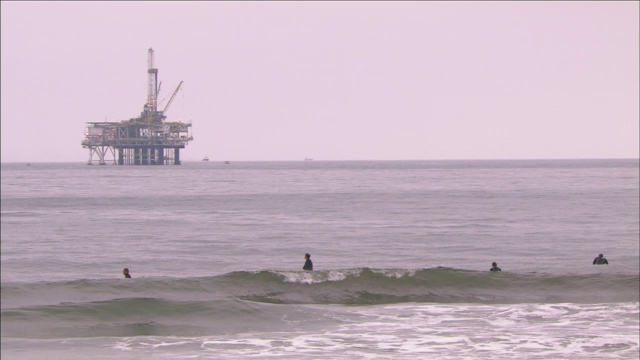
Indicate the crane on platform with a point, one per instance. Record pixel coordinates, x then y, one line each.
158 91
172 97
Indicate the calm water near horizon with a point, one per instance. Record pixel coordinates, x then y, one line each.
401 253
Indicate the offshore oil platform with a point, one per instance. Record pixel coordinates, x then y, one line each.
145 140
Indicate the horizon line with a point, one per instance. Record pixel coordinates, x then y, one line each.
346 160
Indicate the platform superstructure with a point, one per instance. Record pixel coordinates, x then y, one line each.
146 140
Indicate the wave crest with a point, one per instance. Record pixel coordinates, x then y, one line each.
347 286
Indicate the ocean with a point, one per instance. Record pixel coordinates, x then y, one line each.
401 253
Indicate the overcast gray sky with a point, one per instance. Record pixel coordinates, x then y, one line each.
329 80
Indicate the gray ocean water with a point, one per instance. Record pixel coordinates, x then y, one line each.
401 253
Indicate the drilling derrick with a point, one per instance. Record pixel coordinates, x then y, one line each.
152 89
145 140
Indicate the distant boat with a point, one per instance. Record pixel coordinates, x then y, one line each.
308 159
205 158
227 163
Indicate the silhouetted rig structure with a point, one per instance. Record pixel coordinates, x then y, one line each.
145 140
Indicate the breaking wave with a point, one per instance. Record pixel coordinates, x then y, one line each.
240 301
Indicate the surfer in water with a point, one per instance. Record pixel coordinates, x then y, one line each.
308 264
495 267
600 260
126 274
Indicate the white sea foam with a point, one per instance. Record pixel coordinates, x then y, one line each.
395 273
309 277
401 331
443 331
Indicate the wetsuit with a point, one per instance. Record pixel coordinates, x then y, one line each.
600 261
308 265
495 268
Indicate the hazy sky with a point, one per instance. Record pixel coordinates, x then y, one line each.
329 80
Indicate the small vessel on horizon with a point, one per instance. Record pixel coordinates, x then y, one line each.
205 158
